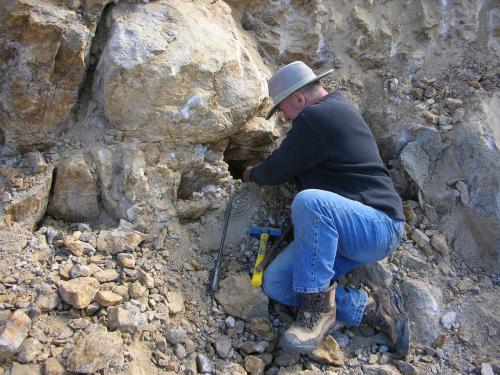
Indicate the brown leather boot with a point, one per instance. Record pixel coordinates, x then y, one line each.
385 312
314 321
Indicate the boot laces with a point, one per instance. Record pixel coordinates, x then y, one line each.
375 318
309 313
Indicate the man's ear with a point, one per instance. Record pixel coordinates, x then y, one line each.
301 99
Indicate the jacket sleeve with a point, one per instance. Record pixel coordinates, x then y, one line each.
300 150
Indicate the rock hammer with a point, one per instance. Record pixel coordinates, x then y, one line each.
264 234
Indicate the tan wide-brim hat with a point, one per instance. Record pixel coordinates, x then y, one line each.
289 79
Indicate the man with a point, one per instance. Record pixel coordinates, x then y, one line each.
347 213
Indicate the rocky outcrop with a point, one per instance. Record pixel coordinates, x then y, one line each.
194 87
43 57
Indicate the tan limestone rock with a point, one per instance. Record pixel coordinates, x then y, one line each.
14 328
136 290
107 298
126 260
46 47
53 367
75 192
175 302
117 241
75 246
94 352
328 352
126 318
145 279
79 292
18 369
105 276
28 205
239 298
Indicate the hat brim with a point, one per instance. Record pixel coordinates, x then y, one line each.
292 90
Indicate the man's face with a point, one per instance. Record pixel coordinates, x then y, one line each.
292 106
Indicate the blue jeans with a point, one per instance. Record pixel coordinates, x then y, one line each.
332 236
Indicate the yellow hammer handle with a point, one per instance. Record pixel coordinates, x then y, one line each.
257 276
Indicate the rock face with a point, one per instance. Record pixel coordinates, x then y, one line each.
14 329
43 55
199 91
75 192
94 352
239 298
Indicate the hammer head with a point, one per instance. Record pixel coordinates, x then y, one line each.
256 231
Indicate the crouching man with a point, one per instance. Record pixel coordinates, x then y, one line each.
347 213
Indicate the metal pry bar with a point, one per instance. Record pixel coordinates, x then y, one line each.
214 279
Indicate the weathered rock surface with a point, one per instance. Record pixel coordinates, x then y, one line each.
43 52
328 352
14 329
75 192
176 102
79 292
118 241
28 205
239 298
94 352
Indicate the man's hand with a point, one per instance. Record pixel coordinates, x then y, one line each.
246 174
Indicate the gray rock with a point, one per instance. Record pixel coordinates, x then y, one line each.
405 368
286 358
126 318
448 320
239 298
223 346
29 350
254 365
176 335
422 301
203 364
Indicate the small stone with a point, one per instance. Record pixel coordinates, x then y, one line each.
430 91
448 319
379 370
203 364
118 241
107 298
79 270
465 285
47 300
94 352
180 351
453 103
262 328
76 247
458 115
439 243
239 298
18 369
464 192
486 369
250 347
126 318
430 117
286 358
79 292
136 290
254 365
126 260
106 276
14 328
175 302
440 341
145 279
53 367
223 346
328 352
29 350
176 335
444 120
230 321
420 238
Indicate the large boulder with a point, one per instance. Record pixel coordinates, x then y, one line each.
186 75
43 58
75 192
